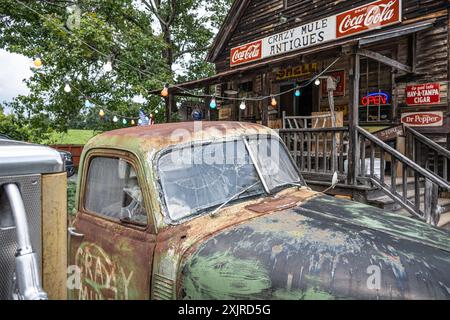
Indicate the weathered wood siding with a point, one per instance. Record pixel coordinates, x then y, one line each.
262 18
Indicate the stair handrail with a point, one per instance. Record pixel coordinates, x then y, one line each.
411 164
430 143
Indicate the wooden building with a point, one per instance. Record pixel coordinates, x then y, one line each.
377 64
392 48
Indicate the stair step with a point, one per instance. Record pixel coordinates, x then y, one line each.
444 221
376 193
387 200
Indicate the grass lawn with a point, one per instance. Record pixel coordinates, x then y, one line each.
71 190
73 136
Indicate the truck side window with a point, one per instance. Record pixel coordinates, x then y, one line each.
112 190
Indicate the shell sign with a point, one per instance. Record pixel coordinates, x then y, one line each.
423 119
375 15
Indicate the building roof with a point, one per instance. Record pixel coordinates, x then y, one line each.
144 139
227 29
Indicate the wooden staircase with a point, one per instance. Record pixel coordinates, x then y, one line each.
380 199
415 183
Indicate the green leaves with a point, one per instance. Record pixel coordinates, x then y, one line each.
143 56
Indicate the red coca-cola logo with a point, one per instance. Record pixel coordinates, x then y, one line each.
422 119
246 53
371 16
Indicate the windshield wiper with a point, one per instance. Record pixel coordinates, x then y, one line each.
212 214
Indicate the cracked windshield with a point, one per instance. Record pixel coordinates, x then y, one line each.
199 177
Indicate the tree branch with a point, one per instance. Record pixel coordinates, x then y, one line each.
155 10
191 50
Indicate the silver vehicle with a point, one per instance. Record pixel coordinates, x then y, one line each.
33 220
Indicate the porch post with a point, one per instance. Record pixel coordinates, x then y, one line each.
207 102
265 102
168 102
353 155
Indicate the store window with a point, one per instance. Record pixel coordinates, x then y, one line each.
375 93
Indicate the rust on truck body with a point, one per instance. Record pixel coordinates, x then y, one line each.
292 244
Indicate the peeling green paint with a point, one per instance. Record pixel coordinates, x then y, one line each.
374 218
223 276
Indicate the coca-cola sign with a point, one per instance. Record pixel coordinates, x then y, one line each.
246 53
372 16
423 119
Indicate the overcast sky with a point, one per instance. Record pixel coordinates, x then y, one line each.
14 69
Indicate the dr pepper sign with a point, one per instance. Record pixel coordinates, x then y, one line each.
423 94
365 18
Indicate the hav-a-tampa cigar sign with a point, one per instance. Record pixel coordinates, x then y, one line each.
372 16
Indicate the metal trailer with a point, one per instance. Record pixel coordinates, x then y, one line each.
33 222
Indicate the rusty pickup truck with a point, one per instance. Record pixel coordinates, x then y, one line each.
218 210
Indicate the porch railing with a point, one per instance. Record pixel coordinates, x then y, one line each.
427 153
413 187
318 151
306 122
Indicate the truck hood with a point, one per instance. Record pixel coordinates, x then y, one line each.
325 248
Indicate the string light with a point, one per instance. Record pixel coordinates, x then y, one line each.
140 121
165 91
101 113
242 106
67 88
115 119
317 82
124 121
298 93
87 104
108 66
213 103
166 86
132 122
273 102
37 62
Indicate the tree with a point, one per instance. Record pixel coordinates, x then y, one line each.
11 126
144 40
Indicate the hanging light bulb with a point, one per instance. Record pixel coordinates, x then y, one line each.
298 93
115 119
242 106
165 91
140 121
87 104
132 122
67 88
101 113
156 111
37 62
108 66
213 103
317 82
273 102
124 121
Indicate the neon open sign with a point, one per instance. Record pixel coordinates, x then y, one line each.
375 99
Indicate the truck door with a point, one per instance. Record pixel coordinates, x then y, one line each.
112 238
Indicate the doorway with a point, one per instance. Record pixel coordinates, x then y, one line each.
296 106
